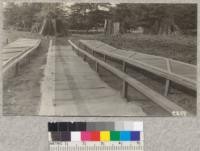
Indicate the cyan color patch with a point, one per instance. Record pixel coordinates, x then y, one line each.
125 136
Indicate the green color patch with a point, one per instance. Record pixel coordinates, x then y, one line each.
114 135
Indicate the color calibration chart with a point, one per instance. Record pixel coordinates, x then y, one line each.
96 136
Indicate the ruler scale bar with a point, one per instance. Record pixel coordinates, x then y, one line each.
96 136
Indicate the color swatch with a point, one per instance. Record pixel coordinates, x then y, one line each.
95 131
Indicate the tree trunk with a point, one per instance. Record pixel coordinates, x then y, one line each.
168 27
164 26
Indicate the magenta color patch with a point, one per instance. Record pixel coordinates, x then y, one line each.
85 136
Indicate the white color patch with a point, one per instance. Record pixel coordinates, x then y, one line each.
75 136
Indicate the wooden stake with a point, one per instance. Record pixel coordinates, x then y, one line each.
104 58
125 84
167 84
84 57
16 69
97 67
124 67
124 89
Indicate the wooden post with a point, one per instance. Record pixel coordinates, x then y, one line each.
125 84
84 57
124 67
167 83
29 58
166 87
124 89
93 52
97 67
104 57
6 40
16 69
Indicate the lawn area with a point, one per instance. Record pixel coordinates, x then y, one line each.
180 48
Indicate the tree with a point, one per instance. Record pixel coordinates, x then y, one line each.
88 15
21 15
157 18
25 16
54 19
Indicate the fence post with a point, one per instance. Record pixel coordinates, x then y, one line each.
167 84
97 66
7 41
84 57
125 84
167 87
104 58
16 69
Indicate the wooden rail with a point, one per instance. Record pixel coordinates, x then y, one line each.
15 61
128 80
128 57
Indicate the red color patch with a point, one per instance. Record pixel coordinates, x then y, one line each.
95 136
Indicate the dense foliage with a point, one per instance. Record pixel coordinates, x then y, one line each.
154 18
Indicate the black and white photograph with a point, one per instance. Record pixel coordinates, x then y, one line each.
99 59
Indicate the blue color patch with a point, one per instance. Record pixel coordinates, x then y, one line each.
135 136
125 136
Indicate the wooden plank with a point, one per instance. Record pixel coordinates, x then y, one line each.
14 60
149 93
182 68
123 53
189 83
13 50
20 43
180 79
10 55
159 63
97 45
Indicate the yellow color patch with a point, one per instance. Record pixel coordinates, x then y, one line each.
104 135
